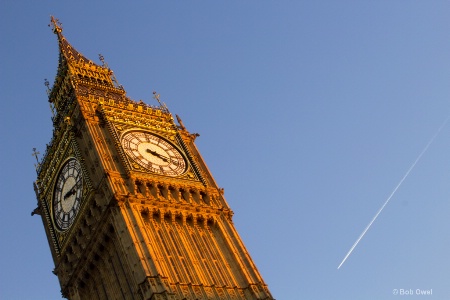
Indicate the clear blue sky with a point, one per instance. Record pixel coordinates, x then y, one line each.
310 113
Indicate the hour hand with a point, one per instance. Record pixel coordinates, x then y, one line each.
70 192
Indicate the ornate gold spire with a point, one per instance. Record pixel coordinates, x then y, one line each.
74 69
70 53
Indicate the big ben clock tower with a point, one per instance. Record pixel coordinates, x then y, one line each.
129 207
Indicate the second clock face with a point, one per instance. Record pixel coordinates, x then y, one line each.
154 153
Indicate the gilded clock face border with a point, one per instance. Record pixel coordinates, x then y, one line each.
175 161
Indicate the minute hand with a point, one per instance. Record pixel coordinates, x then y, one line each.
164 158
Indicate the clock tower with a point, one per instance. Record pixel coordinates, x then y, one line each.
129 207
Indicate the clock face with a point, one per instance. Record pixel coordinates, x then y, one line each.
68 193
154 153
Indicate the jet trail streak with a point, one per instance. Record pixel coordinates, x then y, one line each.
393 192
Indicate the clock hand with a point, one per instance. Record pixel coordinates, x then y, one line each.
165 159
71 191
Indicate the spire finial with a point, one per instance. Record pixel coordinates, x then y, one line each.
55 24
162 105
35 154
156 96
102 59
105 65
180 122
47 84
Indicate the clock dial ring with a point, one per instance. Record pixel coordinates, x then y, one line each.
154 153
68 193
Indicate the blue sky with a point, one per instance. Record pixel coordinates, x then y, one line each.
310 113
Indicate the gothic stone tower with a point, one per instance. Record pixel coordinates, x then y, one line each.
129 207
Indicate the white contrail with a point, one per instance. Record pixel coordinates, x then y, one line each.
393 192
